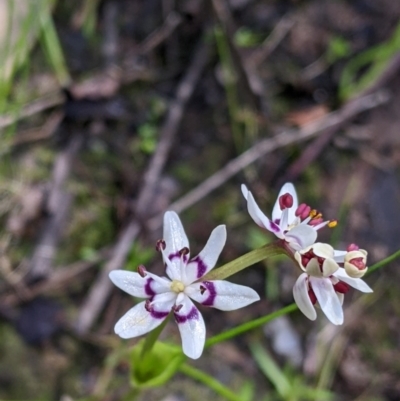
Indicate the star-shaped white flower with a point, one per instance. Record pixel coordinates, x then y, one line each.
294 223
323 282
175 292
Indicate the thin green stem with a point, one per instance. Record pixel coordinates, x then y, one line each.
383 262
249 325
244 261
152 337
210 382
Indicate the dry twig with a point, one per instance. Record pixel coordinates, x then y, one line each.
100 290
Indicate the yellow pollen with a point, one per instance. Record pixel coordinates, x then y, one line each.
313 213
332 223
318 216
177 286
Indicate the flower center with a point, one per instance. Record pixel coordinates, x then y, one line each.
358 263
177 286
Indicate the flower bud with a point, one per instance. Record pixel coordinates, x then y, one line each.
355 263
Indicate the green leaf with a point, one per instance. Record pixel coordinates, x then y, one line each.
157 367
271 369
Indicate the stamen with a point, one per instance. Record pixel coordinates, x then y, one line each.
184 251
147 305
202 289
313 213
177 308
315 221
332 223
142 271
160 245
358 262
285 201
353 247
303 211
341 287
312 296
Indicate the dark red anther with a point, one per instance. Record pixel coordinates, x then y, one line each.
303 211
315 222
341 287
312 296
142 271
285 201
177 308
306 257
202 289
160 245
184 251
353 247
305 260
147 305
358 262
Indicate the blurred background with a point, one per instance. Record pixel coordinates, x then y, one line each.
114 111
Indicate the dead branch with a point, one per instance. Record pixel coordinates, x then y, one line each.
58 205
270 144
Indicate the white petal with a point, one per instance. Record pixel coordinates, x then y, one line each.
329 267
301 297
260 218
301 236
207 258
327 299
323 250
222 294
313 268
341 297
356 283
137 321
175 240
192 328
132 283
245 191
159 284
287 188
338 256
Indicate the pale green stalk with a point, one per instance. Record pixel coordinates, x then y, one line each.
250 258
152 337
226 335
210 382
383 262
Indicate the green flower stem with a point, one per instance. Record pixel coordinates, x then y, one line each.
250 258
152 337
383 262
249 325
210 382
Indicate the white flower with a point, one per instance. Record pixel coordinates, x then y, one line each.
173 293
323 281
294 223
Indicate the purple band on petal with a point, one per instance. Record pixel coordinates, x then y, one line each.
209 301
274 227
147 288
201 266
177 255
192 315
158 314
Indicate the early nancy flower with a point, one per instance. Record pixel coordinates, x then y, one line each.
323 282
294 223
174 293
355 261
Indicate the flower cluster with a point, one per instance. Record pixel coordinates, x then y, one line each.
327 274
184 283
323 281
